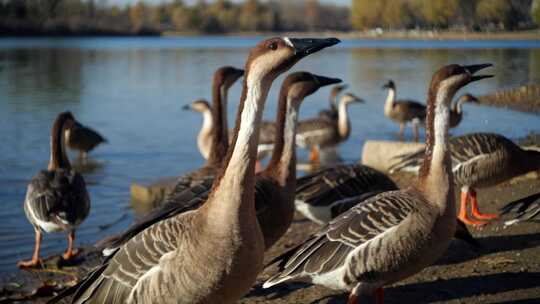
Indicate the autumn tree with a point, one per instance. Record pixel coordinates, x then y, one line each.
494 11
535 12
437 13
366 13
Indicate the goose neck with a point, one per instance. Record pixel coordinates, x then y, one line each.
58 157
344 124
390 99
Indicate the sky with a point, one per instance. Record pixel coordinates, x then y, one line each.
123 2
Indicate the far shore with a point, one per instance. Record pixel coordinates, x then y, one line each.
375 34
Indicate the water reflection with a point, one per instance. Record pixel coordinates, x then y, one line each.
132 90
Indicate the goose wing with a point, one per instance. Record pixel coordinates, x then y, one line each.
133 265
524 209
316 132
349 238
411 109
329 185
57 200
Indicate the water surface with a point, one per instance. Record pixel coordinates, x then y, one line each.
132 90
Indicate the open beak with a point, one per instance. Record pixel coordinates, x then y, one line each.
307 46
186 107
475 68
324 81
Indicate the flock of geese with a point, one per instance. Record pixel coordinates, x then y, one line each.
206 242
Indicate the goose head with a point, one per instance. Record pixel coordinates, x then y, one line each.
274 56
449 79
302 84
199 105
226 76
350 98
389 85
469 98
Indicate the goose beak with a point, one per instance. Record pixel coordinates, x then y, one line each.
307 46
239 73
475 68
324 81
186 107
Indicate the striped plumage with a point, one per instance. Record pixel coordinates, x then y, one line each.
319 195
403 111
274 187
523 209
56 198
480 160
395 234
83 139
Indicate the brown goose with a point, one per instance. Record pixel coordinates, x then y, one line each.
480 160
523 209
456 111
332 112
82 139
403 111
384 239
56 198
274 186
204 139
224 78
212 254
317 133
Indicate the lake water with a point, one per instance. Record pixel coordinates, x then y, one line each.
132 91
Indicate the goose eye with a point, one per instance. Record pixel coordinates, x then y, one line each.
273 46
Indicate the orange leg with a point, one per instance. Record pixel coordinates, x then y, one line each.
35 257
70 252
401 131
379 295
353 299
258 166
474 209
314 156
463 210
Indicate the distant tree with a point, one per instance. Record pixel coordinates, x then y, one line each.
366 13
137 16
249 15
312 14
495 11
437 13
396 14
535 12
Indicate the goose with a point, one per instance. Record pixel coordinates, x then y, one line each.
523 209
274 187
384 239
323 195
317 133
332 112
204 138
403 111
224 77
56 199
479 160
456 111
83 139
213 253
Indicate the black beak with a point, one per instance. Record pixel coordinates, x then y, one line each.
342 87
475 68
308 46
186 107
240 73
324 81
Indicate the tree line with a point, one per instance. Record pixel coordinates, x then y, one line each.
64 17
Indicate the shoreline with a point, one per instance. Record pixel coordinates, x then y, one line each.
374 34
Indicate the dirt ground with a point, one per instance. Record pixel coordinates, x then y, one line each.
505 270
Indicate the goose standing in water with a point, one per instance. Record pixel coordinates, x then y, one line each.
403 111
212 254
274 187
385 238
56 198
456 110
480 160
317 133
82 139
223 79
204 138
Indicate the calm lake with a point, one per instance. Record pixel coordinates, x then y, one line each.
132 90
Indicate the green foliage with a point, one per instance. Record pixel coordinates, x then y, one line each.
494 11
535 12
